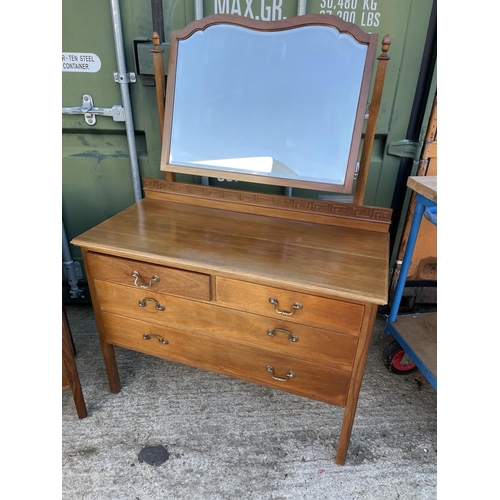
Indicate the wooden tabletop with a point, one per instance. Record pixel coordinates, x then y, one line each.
426 185
337 261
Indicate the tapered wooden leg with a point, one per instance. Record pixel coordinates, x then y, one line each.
69 365
355 386
108 351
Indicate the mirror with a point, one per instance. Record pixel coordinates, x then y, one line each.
279 103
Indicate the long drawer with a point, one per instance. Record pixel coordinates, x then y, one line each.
146 276
277 334
334 314
261 366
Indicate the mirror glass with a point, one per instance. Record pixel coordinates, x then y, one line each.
280 104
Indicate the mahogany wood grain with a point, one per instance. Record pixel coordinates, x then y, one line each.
366 153
327 313
316 381
174 281
160 84
355 385
159 73
322 260
65 380
220 254
315 344
283 207
71 378
238 260
108 351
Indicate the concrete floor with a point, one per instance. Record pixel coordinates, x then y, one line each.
175 432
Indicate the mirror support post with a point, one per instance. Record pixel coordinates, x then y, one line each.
159 70
159 79
366 153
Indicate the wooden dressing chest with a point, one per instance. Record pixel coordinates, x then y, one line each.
276 290
280 292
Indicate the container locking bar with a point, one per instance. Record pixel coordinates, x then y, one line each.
89 111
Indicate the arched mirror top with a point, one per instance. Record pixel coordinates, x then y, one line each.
279 102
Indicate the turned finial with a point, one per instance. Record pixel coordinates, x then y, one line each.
156 39
386 42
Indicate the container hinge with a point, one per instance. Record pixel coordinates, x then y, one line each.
73 272
405 149
88 110
124 77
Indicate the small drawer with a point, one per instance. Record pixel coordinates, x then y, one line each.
152 277
259 366
333 314
288 338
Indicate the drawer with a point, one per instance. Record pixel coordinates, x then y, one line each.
333 314
279 335
315 381
146 276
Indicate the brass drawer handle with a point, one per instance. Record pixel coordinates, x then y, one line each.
158 306
295 307
149 336
289 375
291 337
154 279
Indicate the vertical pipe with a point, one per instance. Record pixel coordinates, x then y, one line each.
301 10
69 267
157 15
412 239
198 9
301 7
123 80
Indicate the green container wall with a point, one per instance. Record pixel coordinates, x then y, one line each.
97 180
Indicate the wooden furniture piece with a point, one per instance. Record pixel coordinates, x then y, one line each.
417 333
70 377
275 290
273 102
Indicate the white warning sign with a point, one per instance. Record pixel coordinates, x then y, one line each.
80 62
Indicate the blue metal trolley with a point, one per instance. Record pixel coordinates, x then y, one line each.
417 333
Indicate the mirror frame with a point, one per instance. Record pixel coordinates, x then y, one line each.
368 39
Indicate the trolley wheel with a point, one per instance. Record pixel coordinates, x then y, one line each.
393 359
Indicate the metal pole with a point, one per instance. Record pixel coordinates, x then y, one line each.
301 7
301 10
70 267
198 14
124 80
198 9
410 246
157 15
